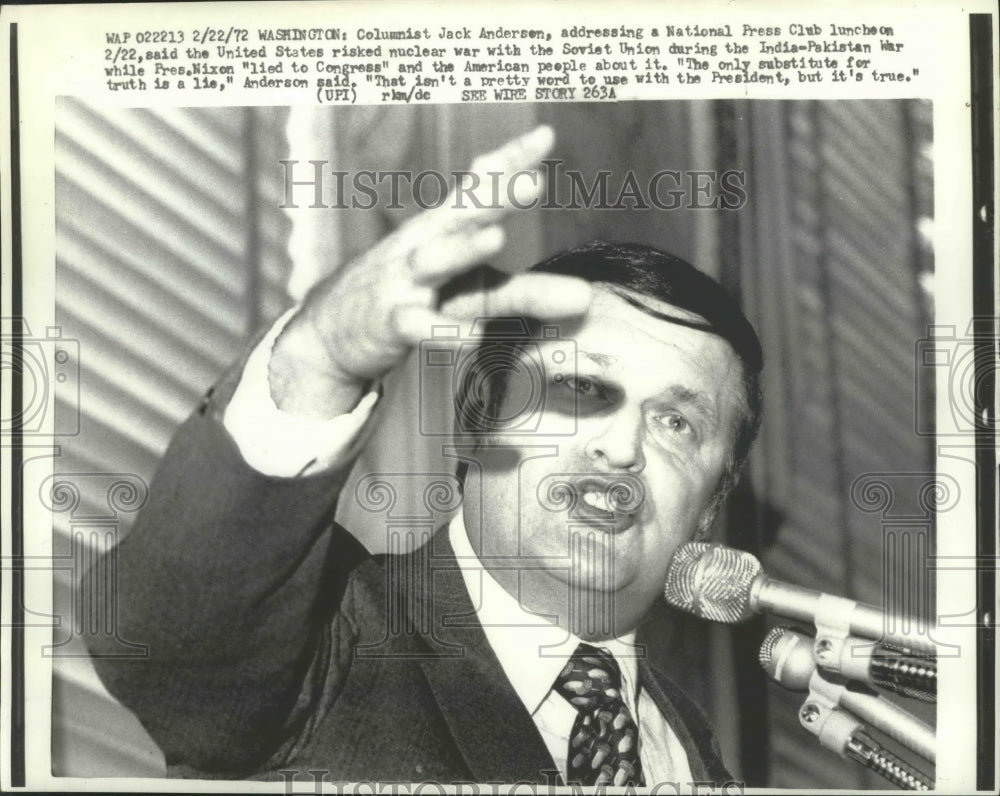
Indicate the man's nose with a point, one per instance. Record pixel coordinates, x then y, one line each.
617 443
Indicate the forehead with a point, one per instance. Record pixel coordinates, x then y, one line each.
616 334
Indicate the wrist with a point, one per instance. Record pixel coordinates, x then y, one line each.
304 380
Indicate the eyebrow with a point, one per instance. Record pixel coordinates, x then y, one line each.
699 401
606 360
676 393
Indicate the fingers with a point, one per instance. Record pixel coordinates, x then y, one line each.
499 182
415 323
508 177
436 263
516 164
409 267
437 244
521 153
544 296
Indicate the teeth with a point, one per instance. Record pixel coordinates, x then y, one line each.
597 500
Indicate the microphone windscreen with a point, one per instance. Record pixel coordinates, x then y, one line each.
787 657
768 645
712 581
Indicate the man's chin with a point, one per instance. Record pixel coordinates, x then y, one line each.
589 581
595 604
596 618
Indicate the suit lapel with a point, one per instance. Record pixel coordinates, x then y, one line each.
688 723
489 724
491 727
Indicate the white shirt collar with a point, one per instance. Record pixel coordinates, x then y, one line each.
531 649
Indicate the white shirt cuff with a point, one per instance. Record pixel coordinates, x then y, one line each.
278 443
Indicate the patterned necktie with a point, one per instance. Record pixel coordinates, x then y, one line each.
604 741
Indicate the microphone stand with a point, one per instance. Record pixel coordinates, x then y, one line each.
862 748
900 670
886 716
841 733
790 659
829 713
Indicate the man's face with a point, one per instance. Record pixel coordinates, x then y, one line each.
581 519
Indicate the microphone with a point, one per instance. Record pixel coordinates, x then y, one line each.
787 657
844 735
902 672
728 585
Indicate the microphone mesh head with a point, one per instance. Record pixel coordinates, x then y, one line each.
712 581
767 646
787 657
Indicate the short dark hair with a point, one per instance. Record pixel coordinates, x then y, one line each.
481 386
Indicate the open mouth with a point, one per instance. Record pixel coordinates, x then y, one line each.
608 504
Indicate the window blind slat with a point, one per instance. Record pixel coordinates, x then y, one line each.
160 270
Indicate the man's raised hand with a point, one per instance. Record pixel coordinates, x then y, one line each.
363 320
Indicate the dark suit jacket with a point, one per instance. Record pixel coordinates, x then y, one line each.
277 643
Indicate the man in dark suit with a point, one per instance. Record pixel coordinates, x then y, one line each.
505 649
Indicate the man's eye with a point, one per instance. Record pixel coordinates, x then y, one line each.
675 423
585 387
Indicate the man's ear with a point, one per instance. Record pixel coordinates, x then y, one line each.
706 522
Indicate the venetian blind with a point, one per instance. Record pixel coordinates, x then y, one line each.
833 269
170 252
